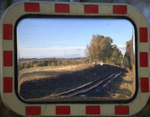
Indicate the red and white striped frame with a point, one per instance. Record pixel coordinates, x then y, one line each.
7 52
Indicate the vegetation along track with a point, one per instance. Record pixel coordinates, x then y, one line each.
91 86
89 82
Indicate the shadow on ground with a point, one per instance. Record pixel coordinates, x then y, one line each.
66 81
123 93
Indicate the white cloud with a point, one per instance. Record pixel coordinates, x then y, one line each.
61 52
122 48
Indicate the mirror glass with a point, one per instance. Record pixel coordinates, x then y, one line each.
75 59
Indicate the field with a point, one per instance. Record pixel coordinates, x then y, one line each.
76 82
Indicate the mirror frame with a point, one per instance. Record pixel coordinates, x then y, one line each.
7 58
98 101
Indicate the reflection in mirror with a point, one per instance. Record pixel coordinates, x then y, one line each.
75 59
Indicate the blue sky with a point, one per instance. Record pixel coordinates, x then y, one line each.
67 37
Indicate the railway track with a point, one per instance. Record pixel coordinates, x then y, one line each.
98 85
88 87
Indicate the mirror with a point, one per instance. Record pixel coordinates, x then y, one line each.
75 59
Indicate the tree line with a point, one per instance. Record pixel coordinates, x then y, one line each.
101 49
22 64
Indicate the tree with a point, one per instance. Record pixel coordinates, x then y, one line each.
129 59
99 48
117 57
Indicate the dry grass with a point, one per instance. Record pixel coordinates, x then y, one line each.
126 90
129 82
56 68
59 69
122 88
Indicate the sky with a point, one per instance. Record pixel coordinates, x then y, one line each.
67 37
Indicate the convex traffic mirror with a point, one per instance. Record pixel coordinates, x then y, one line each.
74 59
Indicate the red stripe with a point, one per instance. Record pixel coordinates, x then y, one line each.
7 85
144 85
7 58
143 35
62 110
120 9
92 110
7 31
144 59
122 110
33 110
90 9
62 8
31 7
